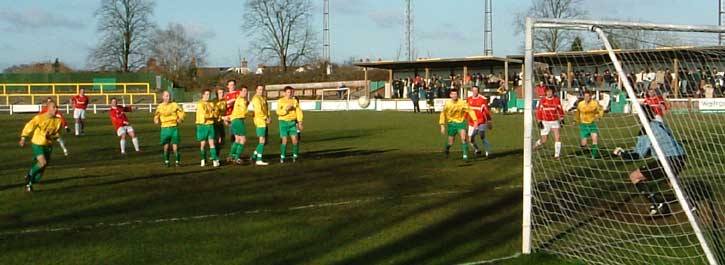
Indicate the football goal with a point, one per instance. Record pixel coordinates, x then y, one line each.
624 142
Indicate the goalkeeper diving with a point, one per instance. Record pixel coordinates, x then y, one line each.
654 170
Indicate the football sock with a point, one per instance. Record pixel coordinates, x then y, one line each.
33 172
295 150
283 151
166 156
465 150
233 150
643 189
214 157
260 150
62 144
238 150
448 147
595 150
135 144
486 145
475 146
557 149
78 128
122 142
177 155
203 153
538 143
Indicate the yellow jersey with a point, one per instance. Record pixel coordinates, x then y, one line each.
43 128
205 113
261 111
294 114
456 112
588 112
168 114
220 108
240 111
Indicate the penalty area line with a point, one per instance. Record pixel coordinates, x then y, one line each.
234 213
247 212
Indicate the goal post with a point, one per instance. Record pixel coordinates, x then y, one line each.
590 202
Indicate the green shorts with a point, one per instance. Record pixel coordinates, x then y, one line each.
205 132
41 150
170 135
238 127
586 129
261 131
455 127
287 128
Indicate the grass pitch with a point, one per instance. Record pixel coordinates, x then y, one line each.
371 188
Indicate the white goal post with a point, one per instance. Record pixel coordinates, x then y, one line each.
575 206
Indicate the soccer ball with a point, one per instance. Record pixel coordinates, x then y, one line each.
618 151
363 101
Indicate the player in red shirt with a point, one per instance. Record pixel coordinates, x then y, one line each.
122 126
230 98
658 104
63 123
479 105
550 116
80 103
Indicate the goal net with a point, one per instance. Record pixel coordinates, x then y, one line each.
648 184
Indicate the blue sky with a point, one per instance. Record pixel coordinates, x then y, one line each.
41 30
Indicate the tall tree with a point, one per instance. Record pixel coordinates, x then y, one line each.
551 40
576 45
282 31
125 27
176 51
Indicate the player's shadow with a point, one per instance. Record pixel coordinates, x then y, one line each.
127 180
21 182
342 152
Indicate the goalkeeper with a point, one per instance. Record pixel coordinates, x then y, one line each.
588 112
653 170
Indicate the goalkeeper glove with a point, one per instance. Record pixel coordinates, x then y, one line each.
67 130
562 122
541 125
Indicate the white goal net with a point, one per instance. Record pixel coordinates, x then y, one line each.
641 180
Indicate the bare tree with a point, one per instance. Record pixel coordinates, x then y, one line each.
551 40
282 31
176 51
125 27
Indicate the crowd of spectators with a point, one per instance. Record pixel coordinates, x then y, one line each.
692 82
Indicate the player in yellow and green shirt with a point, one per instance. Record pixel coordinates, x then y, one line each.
169 115
237 123
454 116
220 108
262 118
205 117
588 111
44 129
290 118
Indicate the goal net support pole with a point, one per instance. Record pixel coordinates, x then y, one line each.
596 26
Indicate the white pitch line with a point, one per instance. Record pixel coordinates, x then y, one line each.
247 212
489 261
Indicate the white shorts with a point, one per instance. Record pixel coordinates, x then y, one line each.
79 114
479 129
124 130
548 125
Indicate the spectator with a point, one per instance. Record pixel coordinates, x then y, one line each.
414 96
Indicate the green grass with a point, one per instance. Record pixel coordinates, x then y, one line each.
371 188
